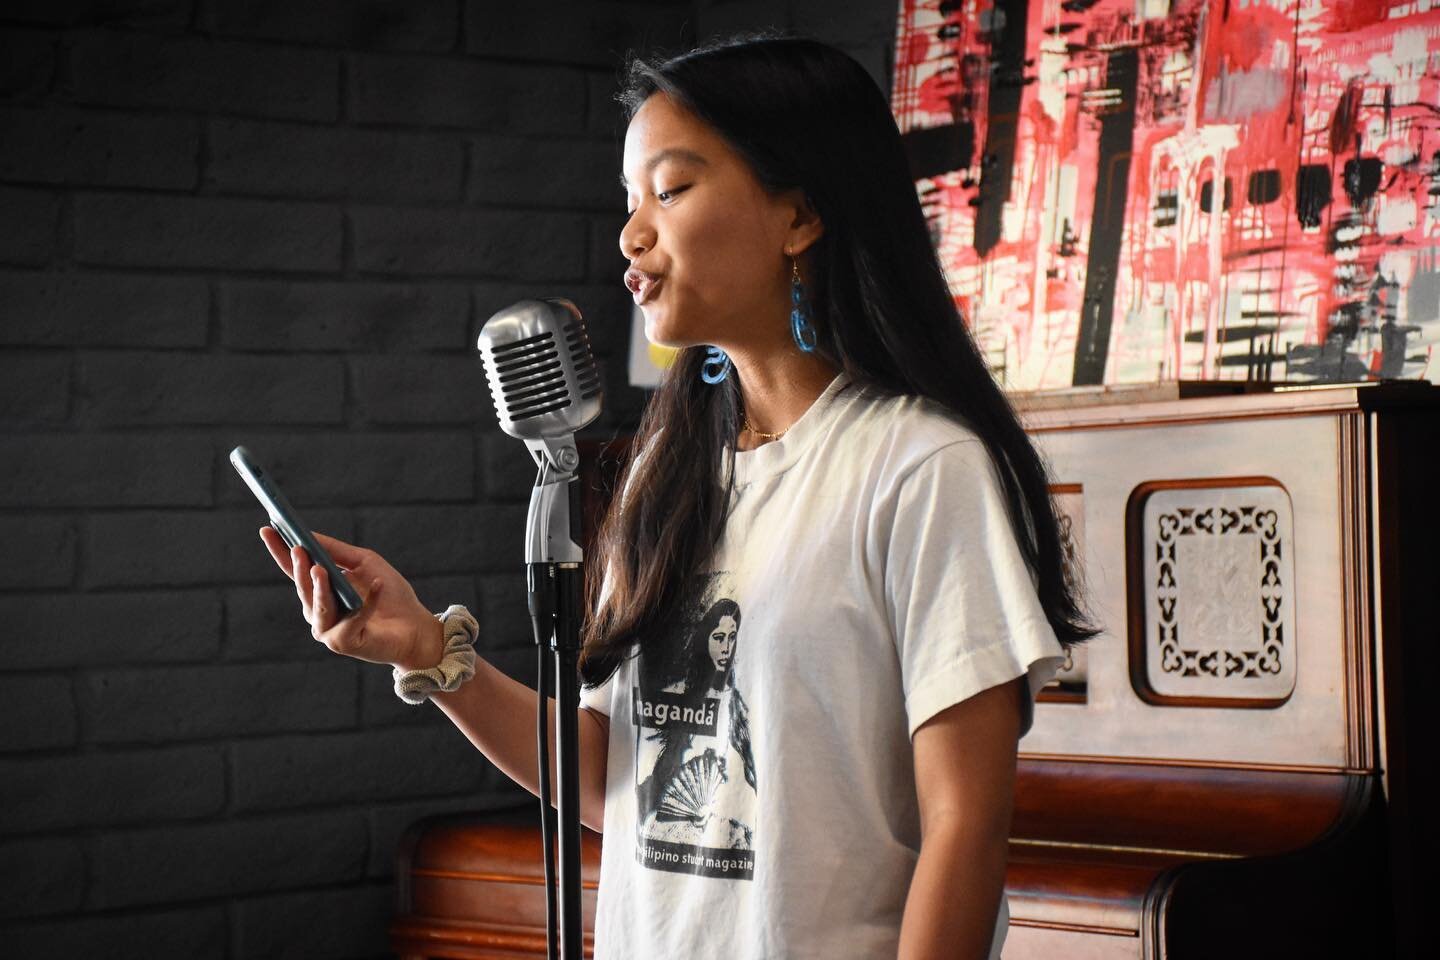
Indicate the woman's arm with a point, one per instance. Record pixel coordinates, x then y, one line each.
497 714
965 784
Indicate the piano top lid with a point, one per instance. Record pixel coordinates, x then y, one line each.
1146 404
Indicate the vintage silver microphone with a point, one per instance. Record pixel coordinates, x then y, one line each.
546 386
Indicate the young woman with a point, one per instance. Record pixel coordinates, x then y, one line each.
829 454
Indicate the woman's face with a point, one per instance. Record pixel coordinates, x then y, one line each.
700 220
722 642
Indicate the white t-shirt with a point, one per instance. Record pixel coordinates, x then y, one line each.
760 790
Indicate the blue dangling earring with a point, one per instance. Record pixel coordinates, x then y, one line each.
801 328
716 366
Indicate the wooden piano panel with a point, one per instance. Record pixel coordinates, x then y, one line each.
1310 728
1028 942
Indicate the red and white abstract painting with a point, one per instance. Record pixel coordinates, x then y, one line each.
1125 191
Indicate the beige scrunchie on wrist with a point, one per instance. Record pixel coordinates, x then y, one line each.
457 665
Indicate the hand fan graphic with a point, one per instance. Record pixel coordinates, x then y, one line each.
690 793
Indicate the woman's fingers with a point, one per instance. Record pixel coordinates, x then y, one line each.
322 605
345 554
300 573
348 636
345 634
277 549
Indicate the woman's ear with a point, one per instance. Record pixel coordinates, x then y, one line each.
805 224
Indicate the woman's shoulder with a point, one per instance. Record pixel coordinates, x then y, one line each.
905 429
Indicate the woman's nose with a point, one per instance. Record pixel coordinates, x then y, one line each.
635 237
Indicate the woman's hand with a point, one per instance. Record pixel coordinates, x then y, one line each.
392 627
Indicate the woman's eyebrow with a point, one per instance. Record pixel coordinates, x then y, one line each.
669 153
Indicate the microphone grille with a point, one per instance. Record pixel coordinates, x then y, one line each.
587 373
543 376
530 372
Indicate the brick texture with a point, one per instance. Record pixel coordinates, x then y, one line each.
475 243
606 262
145 230
421 390
160 15
98 148
341 923
27 63
589 33
281 225
226 857
196 933
507 469
429 25
346 468
169 388
570 174
344 316
294 160
31 219
505 616
142 548
57 630
108 789
474 95
78 470
41 876
37 551
37 712
103 310
310 771
188 703
389 822
430 539
202 75
34 388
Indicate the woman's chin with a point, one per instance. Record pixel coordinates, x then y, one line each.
662 334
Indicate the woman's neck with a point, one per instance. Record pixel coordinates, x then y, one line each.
776 390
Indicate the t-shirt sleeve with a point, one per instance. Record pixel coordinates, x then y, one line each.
962 603
598 698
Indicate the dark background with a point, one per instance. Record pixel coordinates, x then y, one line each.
277 222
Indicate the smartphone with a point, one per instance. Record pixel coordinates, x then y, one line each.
291 528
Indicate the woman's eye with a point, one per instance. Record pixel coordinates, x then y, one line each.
664 196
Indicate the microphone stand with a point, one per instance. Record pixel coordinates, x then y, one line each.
555 580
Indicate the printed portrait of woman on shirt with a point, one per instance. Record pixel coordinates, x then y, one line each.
695 768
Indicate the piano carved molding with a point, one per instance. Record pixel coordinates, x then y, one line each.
1260 799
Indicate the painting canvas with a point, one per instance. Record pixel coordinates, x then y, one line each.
1125 191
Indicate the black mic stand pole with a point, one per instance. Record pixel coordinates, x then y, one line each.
554 569
541 586
566 644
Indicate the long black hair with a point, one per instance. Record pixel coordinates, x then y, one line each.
806 115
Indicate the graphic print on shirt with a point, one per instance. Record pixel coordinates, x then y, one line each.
694 768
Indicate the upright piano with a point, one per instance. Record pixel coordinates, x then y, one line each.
1233 767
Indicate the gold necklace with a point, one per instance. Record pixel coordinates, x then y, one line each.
759 433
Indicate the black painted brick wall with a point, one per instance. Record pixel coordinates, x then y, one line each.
281 224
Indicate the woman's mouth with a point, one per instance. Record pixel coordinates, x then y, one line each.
642 285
